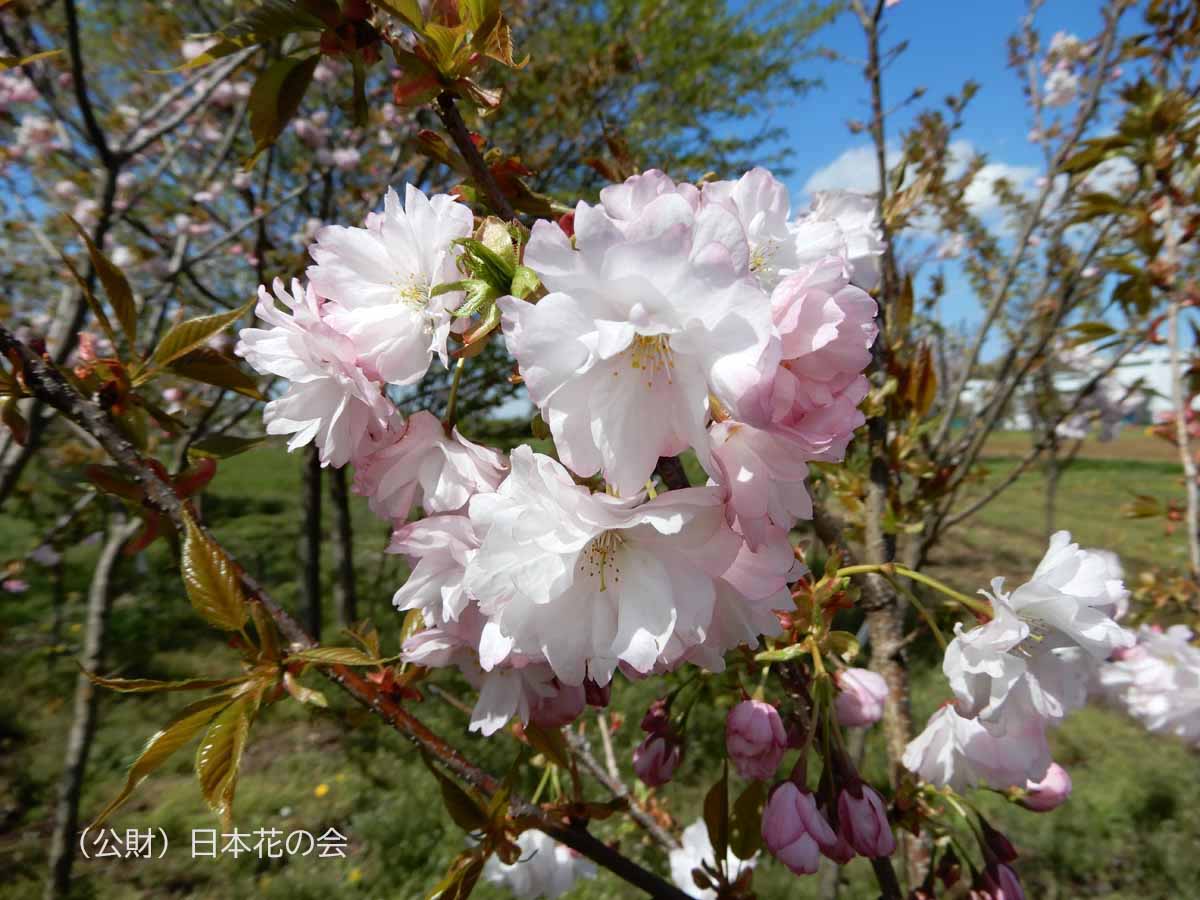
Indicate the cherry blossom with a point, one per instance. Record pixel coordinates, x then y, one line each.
545 868
380 280
695 852
643 321
328 401
1157 681
416 461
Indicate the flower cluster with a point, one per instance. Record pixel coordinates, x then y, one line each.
545 868
674 316
1022 671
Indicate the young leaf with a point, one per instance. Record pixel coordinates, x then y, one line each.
716 816
270 19
223 446
264 627
301 693
745 825
12 62
219 754
181 729
150 685
469 813
334 656
212 582
549 742
276 97
92 302
213 367
185 337
116 286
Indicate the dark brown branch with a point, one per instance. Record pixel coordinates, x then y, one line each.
480 173
79 83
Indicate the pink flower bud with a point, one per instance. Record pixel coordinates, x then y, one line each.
997 847
562 708
863 822
597 696
1049 793
656 758
860 699
794 831
755 738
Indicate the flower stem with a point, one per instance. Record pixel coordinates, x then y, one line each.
920 608
888 570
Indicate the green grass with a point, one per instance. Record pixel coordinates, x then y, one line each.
1129 831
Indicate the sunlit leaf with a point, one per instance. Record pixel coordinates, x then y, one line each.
116 286
219 754
186 336
334 656
150 685
12 62
213 367
184 726
223 446
212 581
276 96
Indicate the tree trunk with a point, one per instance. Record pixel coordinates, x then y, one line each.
83 724
1179 401
310 544
345 596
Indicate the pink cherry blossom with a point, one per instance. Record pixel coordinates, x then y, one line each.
656 758
328 401
418 462
1050 792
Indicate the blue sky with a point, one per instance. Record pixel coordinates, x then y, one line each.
950 41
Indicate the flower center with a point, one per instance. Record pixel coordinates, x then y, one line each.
414 292
601 556
760 256
651 354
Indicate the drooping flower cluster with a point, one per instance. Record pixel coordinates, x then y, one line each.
1022 671
674 317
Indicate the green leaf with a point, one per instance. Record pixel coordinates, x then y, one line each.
716 816
467 811
150 685
271 19
842 644
334 656
276 97
213 367
745 825
407 10
186 336
185 725
223 446
219 754
212 582
93 304
264 627
116 286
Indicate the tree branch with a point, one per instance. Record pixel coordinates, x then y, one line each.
480 173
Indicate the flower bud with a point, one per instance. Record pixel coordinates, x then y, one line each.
657 719
794 831
755 738
863 822
998 882
1049 793
997 847
860 698
656 758
561 708
597 696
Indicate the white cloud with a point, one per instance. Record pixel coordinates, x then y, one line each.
854 170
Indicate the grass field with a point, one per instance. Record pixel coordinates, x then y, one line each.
1130 831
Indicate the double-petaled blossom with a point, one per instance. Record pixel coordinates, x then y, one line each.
863 821
646 317
329 401
760 202
843 224
545 868
380 281
959 752
416 461
1044 640
794 831
755 739
860 699
587 581
826 327
1157 681
696 852
1050 792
